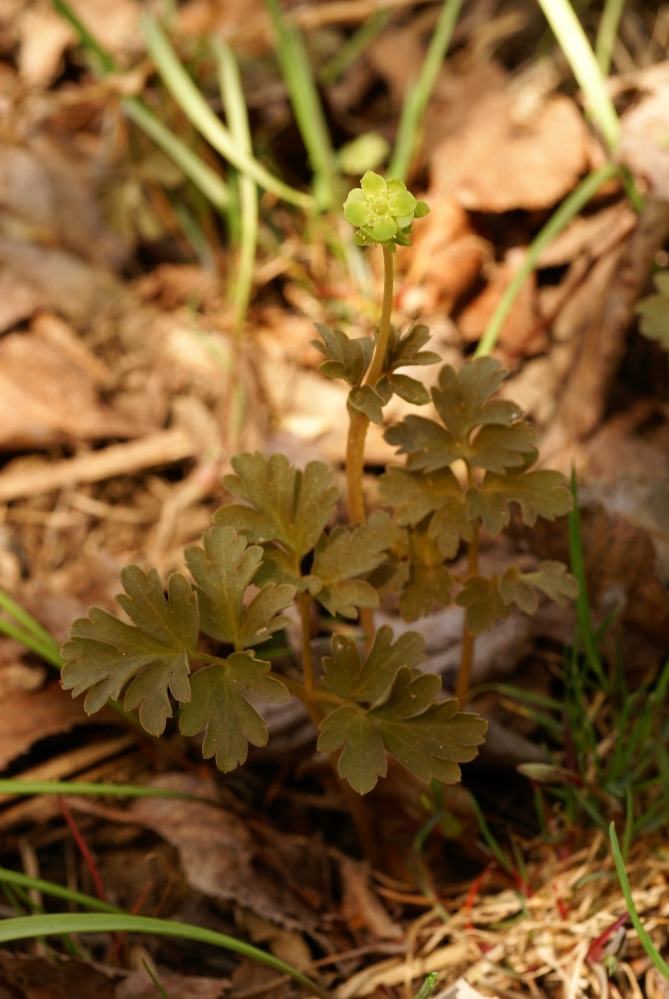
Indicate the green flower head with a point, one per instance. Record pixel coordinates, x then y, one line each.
383 211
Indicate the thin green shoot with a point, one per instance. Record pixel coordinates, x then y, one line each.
494 846
16 786
573 41
577 564
158 987
419 93
27 927
25 619
195 107
428 986
200 173
232 94
354 47
646 941
563 215
607 33
15 882
519 693
195 235
629 822
307 106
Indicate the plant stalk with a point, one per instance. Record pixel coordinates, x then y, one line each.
358 422
468 640
304 601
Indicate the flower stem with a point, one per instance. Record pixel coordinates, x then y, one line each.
468 640
304 601
376 367
358 422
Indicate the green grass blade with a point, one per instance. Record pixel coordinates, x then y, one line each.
20 882
418 95
192 166
106 63
25 619
26 927
427 988
568 210
198 112
307 107
495 848
16 786
156 984
577 565
354 47
44 649
606 34
576 47
232 95
646 942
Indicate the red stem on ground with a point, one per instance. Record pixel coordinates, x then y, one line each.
83 849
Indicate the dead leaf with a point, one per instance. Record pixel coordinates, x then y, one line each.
49 195
287 945
250 977
48 397
361 907
218 853
139 985
27 717
492 163
44 36
645 128
58 279
57 977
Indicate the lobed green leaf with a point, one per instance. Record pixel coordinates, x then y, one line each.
346 358
347 676
104 653
220 707
340 559
223 569
290 507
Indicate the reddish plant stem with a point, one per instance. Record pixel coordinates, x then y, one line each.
83 849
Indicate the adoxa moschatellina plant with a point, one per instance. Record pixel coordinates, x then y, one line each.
365 703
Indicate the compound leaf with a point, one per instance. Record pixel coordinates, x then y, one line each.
416 495
553 579
426 585
404 350
346 358
541 493
363 759
348 677
409 389
340 558
290 506
428 445
483 603
499 448
463 401
429 738
516 588
103 653
223 570
220 707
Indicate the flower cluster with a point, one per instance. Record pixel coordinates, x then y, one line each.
383 211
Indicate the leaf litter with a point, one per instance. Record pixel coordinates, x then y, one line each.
93 360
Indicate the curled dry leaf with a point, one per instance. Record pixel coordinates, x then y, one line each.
28 716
